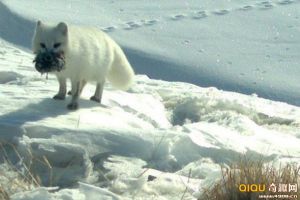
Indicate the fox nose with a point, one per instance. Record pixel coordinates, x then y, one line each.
48 58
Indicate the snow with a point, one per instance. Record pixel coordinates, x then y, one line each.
248 47
176 133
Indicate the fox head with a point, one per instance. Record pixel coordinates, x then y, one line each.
49 44
50 38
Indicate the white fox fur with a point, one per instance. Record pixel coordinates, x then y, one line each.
90 56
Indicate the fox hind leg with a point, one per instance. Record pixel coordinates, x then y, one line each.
83 83
98 92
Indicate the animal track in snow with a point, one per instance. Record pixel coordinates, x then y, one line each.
178 17
246 8
149 22
220 12
109 28
285 2
199 15
265 5
132 25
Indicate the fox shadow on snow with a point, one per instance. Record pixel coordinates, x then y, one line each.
46 108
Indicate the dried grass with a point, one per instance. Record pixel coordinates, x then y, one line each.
18 177
247 171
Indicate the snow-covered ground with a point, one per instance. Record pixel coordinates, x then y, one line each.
177 132
243 46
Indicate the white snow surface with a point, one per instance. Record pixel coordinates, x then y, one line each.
242 46
177 132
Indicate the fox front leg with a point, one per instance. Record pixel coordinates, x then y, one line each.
61 95
76 87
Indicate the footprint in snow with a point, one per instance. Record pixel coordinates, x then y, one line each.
265 5
199 15
246 8
178 17
186 42
132 25
149 22
17 52
220 12
109 29
285 2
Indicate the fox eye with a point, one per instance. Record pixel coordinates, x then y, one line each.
43 45
56 45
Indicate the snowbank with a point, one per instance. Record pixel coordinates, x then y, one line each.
142 143
161 138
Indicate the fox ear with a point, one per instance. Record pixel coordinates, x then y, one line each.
63 27
39 24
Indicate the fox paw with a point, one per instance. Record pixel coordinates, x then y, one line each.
72 106
96 99
59 97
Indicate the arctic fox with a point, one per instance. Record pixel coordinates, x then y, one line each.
89 55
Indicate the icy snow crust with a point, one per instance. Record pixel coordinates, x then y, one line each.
177 132
158 128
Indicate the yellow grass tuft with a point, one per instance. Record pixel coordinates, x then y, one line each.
12 178
249 172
